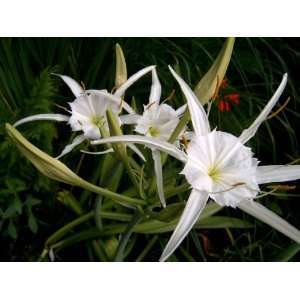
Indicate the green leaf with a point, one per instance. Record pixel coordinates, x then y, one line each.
288 253
11 229
9 212
169 213
30 201
18 204
213 222
210 82
32 223
15 184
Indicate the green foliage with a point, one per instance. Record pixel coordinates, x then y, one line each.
20 184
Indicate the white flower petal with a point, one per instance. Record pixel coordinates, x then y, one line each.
267 216
91 131
277 173
181 110
131 80
115 99
248 133
155 89
129 119
159 177
147 141
136 150
197 112
77 140
43 117
189 217
98 152
74 86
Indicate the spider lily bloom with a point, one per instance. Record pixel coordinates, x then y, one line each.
88 110
157 121
219 166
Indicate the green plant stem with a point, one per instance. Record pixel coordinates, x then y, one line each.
65 229
114 196
170 192
98 207
120 149
137 217
99 251
147 248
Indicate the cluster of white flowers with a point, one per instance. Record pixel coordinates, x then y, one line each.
217 165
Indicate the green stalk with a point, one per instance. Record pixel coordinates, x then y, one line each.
120 148
137 217
147 248
114 196
99 251
65 229
182 123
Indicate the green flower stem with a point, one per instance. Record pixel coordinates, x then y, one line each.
97 211
114 196
137 217
120 149
84 218
99 251
170 192
180 126
147 249
177 190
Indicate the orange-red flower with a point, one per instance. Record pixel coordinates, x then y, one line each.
226 101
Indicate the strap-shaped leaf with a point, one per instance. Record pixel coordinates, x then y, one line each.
211 81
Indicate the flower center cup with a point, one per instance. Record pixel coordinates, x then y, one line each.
153 131
98 121
223 167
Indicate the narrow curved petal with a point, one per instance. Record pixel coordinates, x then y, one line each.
115 99
147 141
197 112
267 216
159 177
129 119
277 173
136 150
155 88
43 117
248 133
131 80
181 110
189 217
98 152
77 140
74 86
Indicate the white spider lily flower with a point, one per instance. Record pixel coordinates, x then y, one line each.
88 110
219 166
157 121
